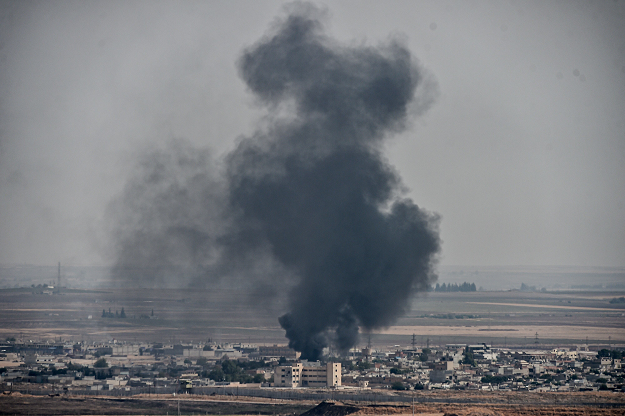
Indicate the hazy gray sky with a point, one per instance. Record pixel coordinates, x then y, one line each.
522 154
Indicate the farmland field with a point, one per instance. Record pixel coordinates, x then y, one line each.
227 315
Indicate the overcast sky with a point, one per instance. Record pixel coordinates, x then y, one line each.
522 154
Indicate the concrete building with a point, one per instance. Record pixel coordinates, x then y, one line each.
308 374
278 351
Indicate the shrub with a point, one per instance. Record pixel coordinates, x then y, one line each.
101 363
398 385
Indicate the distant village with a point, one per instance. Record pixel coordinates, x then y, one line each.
136 368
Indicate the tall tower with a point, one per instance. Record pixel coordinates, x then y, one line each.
58 284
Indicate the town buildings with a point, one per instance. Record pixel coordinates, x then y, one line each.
142 367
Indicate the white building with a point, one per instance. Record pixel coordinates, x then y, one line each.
308 374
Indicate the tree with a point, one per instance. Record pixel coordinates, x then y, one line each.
217 374
398 385
101 363
468 357
122 314
363 365
494 379
229 367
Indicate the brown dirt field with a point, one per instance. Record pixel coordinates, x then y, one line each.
225 315
15 404
345 409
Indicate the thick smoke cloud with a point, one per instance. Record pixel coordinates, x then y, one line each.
310 194
167 221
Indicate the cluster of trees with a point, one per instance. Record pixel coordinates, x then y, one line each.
468 358
398 385
230 370
49 372
110 314
528 288
617 355
100 363
495 379
455 287
97 370
618 300
360 365
399 371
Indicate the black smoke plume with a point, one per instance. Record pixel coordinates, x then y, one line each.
312 191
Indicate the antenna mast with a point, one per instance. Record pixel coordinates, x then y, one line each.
58 285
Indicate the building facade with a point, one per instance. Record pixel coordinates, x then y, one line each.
308 375
278 351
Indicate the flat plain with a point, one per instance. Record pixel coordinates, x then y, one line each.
500 318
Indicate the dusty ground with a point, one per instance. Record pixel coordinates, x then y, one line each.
76 405
554 331
500 318
345 409
492 404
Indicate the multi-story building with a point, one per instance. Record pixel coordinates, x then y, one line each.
308 374
278 351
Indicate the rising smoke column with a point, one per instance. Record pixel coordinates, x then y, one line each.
315 189
308 205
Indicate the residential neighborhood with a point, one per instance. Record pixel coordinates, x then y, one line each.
64 367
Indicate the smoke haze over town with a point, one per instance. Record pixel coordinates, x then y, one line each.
522 154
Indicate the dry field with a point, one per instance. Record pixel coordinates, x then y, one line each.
493 404
500 318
